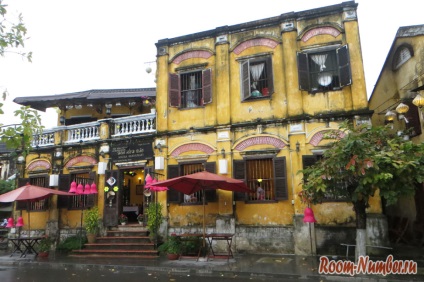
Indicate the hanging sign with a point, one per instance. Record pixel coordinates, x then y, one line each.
131 151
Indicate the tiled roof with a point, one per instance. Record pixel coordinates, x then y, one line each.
90 96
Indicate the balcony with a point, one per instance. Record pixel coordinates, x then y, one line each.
90 131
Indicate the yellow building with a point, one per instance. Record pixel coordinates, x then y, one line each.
253 101
397 99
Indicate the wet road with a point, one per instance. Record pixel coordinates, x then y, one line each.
109 274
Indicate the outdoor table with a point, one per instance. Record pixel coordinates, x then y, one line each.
25 245
220 237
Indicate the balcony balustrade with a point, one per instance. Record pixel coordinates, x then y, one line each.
119 127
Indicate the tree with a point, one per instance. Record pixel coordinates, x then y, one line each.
361 161
12 37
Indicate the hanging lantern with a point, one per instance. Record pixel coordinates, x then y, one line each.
390 116
20 222
418 101
10 223
80 189
93 188
309 216
148 180
87 189
402 108
73 188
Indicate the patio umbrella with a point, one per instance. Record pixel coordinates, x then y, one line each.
200 181
30 193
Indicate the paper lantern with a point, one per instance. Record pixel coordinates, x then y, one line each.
20 222
309 215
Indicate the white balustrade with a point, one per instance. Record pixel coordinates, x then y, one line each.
83 132
44 139
134 125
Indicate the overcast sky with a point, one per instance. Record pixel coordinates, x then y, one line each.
80 45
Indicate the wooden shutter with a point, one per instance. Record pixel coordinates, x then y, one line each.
174 90
245 80
207 86
210 195
91 198
270 75
173 195
19 204
64 185
303 71
239 172
281 192
343 60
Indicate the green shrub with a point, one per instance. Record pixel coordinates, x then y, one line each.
72 243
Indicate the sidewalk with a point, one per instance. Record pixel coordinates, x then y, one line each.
289 267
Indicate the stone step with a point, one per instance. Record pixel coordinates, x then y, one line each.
121 246
116 253
122 233
123 239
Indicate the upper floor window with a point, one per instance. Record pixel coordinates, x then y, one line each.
190 89
256 78
324 70
402 55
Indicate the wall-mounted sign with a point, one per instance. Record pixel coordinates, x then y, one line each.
130 152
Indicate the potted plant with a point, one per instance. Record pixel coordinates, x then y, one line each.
171 247
91 223
43 246
154 219
123 219
140 218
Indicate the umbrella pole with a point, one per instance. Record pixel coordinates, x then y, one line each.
204 212
29 221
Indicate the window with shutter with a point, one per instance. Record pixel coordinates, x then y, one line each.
256 78
41 205
190 89
324 70
402 55
266 178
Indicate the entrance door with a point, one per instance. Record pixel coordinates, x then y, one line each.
112 198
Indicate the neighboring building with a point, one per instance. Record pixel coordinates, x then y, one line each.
397 99
7 162
105 137
253 101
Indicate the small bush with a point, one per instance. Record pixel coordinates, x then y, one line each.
71 243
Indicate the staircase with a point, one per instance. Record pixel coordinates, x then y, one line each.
123 241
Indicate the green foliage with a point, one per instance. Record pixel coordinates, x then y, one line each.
44 244
72 243
6 186
12 33
191 245
364 159
91 220
172 245
154 217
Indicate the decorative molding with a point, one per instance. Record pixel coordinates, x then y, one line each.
81 159
320 135
255 42
191 54
260 140
192 147
38 165
320 31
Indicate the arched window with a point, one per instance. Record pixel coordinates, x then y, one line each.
402 55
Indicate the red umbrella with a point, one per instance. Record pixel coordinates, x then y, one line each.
30 193
191 183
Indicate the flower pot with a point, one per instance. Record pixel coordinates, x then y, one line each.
123 223
140 222
153 111
91 238
172 256
43 254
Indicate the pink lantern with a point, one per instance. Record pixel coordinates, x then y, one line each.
87 189
80 189
309 215
10 222
149 180
73 188
93 188
20 222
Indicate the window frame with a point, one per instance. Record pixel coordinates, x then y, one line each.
246 76
399 58
65 181
35 206
342 71
175 88
280 186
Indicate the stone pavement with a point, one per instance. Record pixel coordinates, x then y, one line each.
284 267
